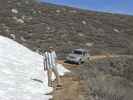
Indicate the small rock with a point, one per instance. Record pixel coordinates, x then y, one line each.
29 18
38 50
34 12
116 30
26 2
8 1
23 17
80 34
22 38
50 39
15 11
89 44
39 12
84 22
20 21
58 11
48 28
4 26
13 36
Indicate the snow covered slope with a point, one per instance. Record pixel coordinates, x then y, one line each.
21 73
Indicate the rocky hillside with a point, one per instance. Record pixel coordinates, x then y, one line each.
108 79
40 25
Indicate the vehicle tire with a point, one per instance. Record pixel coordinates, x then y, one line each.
65 61
79 62
83 62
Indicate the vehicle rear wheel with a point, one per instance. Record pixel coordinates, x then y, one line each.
79 62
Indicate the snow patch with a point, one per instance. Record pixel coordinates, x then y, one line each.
21 73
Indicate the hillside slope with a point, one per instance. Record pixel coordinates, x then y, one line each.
40 25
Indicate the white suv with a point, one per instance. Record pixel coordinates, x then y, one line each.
78 56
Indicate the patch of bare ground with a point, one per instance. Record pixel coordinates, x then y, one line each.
73 87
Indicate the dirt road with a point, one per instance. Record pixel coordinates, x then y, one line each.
72 86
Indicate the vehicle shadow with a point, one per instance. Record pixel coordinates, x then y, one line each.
69 62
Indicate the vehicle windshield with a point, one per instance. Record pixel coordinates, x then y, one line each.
77 52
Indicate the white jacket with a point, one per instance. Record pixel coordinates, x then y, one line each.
49 59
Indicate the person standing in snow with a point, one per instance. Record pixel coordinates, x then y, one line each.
50 63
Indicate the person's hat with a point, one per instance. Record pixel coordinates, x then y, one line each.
51 47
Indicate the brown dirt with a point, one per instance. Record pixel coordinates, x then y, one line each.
72 87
